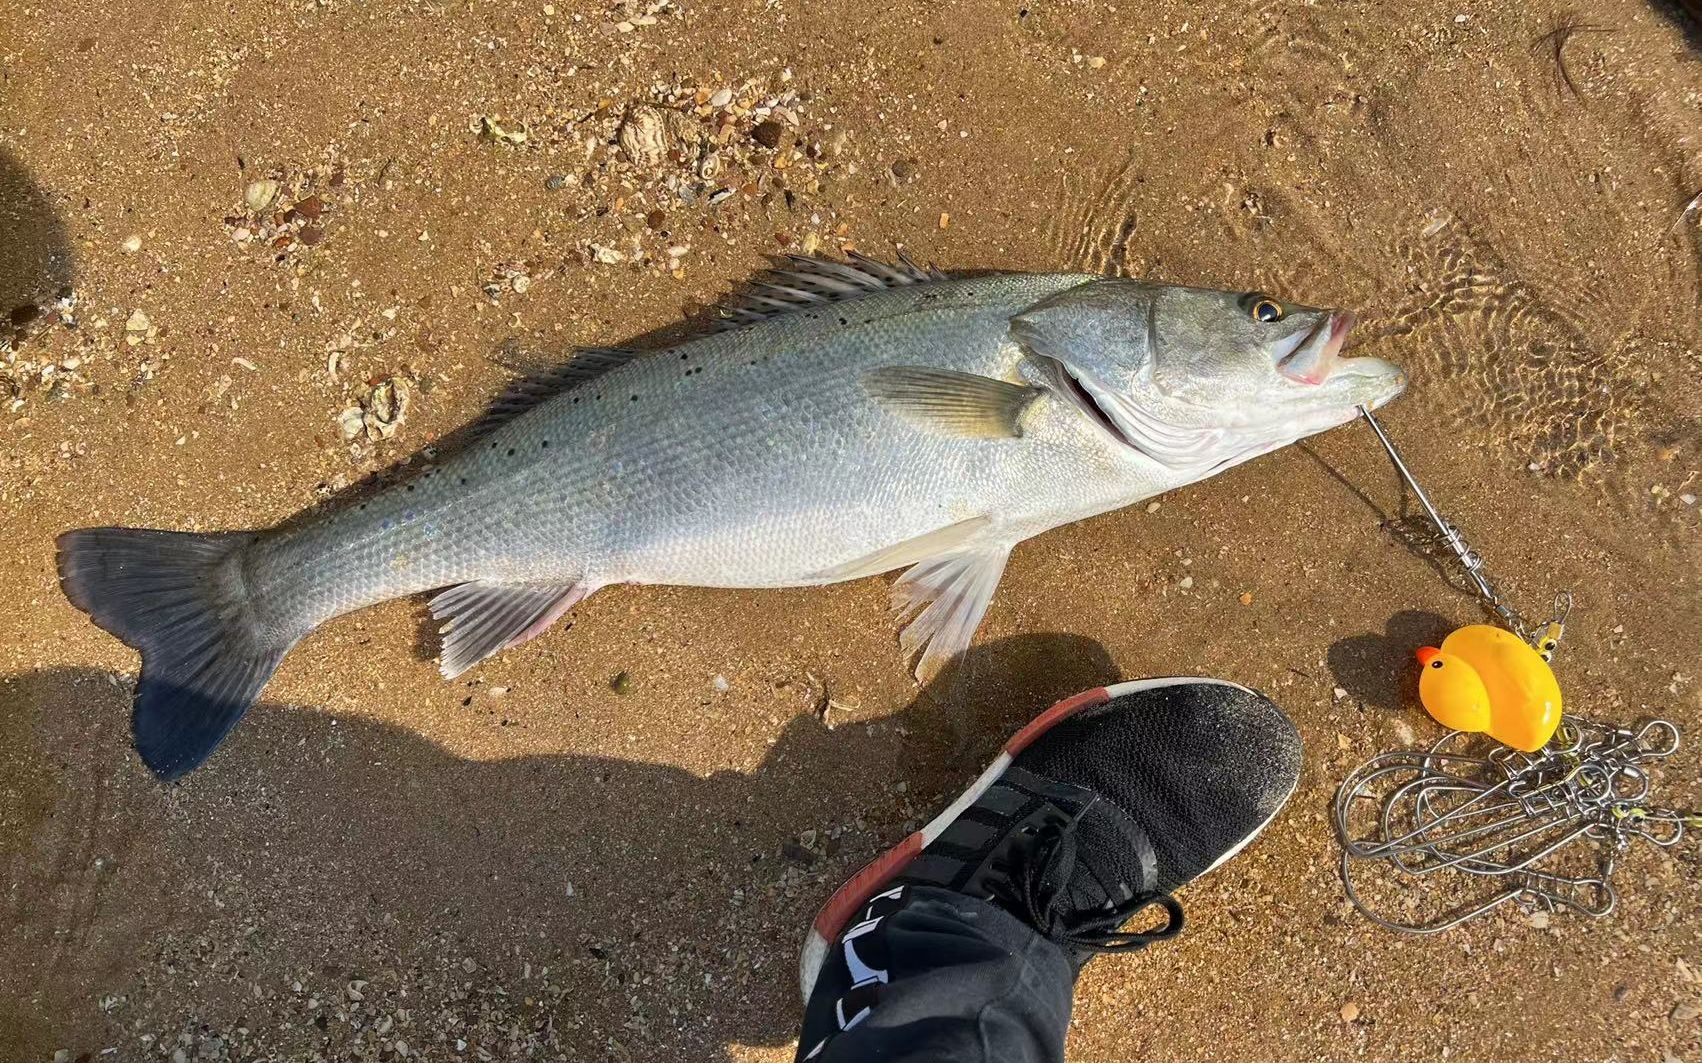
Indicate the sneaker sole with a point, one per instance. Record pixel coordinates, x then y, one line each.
859 888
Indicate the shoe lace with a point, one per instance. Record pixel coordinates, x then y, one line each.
1036 890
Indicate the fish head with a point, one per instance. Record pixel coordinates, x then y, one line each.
1196 377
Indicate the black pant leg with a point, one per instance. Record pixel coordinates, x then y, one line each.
925 974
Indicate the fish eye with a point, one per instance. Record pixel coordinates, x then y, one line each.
1265 309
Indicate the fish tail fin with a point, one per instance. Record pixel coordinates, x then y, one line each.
181 600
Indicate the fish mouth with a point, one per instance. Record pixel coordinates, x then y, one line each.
1318 354
1317 360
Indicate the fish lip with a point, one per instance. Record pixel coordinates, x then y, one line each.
1080 394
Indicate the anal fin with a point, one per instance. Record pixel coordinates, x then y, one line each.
944 599
486 616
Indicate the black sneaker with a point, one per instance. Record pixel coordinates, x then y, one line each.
1095 811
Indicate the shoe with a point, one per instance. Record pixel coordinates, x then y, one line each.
1097 810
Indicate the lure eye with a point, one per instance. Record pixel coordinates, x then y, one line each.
1435 664
1266 310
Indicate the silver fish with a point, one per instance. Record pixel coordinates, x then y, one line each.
854 418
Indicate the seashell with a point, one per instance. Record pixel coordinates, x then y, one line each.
645 137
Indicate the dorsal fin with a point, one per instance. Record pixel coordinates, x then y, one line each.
538 386
805 281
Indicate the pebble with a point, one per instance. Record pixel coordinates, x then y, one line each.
768 133
260 194
720 684
1350 1012
721 98
555 182
904 170
1684 1011
1187 583
1621 993
132 243
621 683
1246 598
1152 507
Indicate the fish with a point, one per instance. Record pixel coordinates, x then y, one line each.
847 419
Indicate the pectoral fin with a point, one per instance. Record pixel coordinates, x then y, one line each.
942 400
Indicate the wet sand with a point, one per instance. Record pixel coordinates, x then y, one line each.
526 863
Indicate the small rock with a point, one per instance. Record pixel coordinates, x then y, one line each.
62 1055
655 219
469 965
1186 583
1621 993
1406 736
769 133
1684 1011
497 692
1096 61
1339 692
401 1047
1350 1012
1538 920
621 683
521 284
555 182
721 98
260 194
904 171
178 1055
1152 507
132 243
1246 598
720 684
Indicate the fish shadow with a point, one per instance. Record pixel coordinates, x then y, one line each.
1378 669
319 847
36 263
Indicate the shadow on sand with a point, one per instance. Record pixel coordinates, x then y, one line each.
35 256
321 848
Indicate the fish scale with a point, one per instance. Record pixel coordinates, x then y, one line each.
862 418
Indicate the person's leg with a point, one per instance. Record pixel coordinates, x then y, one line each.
923 973
961 944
